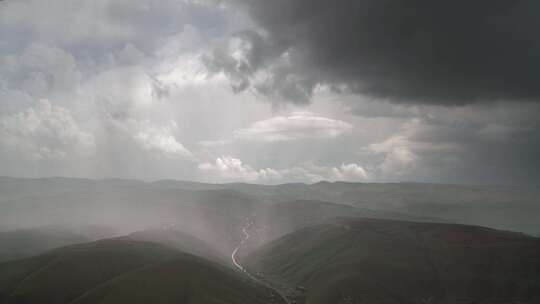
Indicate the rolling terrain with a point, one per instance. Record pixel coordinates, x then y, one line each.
179 241
27 242
380 261
272 221
28 203
127 270
125 241
21 243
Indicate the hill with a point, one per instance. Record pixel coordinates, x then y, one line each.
21 243
215 216
180 241
28 203
185 279
384 261
124 270
271 221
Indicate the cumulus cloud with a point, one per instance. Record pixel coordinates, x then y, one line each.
297 126
398 155
44 131
442 53
470 144
161 139
229 168
315 173
155 138
407 150
350 172
240 57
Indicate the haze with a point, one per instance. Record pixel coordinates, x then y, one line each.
269 151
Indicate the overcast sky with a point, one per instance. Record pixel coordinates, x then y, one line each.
271 91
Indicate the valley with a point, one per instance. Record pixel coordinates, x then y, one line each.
190 243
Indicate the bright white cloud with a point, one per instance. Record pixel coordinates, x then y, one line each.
154 138
351 172
314 173
297 126
233 169
229 168
44 131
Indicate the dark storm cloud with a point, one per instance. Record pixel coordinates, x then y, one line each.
490 153
244 54
440 52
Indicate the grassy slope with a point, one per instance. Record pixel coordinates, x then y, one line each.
180 241
63 274
144 267
359 260
27 242
186 280
495 207
275 220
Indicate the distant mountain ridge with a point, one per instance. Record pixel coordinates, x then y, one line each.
475 205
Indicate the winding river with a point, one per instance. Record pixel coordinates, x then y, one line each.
245 238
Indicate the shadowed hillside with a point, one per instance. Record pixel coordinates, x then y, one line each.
181 242
27 242
21 243
124 270
185 279
275 220
380 261
62 275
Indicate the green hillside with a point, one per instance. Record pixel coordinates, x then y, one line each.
381 261
125 270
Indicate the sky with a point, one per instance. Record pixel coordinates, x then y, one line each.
271 91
